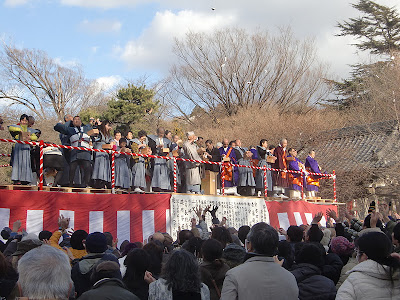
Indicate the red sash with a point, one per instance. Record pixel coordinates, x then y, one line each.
227 168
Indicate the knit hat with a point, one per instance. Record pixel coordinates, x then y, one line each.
5 233
27 245
376 245
76 239
341 246
96 242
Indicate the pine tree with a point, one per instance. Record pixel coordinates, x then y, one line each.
378 29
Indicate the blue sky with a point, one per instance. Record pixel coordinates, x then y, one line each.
116 39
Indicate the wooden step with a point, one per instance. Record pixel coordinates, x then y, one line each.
17 187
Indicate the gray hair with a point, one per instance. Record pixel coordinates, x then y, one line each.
45 273
189 133
281 141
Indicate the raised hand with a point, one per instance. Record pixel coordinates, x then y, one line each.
198 211
332 214
317 218
63 223
214 211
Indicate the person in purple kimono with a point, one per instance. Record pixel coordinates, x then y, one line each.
312 180
295 179
231 173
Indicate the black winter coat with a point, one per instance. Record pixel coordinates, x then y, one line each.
312 285
108 288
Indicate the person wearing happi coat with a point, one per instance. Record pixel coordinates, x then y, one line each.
78 137
231 175
280 179
123 174
264 152
296 180
246 183
139 168
160 146
21 158
193 178
312 166
102 166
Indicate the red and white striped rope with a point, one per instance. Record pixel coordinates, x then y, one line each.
175 184
3 166
6 155
41 157
113 171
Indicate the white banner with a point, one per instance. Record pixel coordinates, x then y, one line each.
239 211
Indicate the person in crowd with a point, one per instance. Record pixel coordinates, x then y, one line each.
117 137
280 179
8 277
137 263
45 273
396 238
53 163
222 235
295 179
376 276
107 283
155 250
102 166
193 178
140 163
64 139
129 138
260 277
180 279
77 249
312 166
112 245
96 245
168 135
78 138
227 154
21 155
160 146
123 172
307 271
264 154
243 232
246 183
212 154
213 268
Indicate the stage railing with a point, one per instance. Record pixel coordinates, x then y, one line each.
222 166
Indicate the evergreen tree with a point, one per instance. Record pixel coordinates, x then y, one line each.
378 29
130 106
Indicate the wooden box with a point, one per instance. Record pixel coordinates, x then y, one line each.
165 150
209 183
290 158
93 132
107 147
271 159
25 136
226 159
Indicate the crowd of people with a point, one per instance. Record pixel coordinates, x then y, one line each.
139 174
347 259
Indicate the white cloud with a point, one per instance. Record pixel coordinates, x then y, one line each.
13 3
94 49
101 26
154 47
102 3
109 82
66 63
